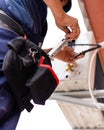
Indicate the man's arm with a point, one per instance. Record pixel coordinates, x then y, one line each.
63 20
56 8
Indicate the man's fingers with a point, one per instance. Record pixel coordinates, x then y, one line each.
73 35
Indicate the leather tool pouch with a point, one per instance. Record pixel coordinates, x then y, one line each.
29 73
42 83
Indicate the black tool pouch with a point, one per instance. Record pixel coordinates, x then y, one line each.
27 78
42 83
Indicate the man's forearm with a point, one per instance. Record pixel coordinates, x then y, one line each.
56 8
63 20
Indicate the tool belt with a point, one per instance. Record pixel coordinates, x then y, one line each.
7 22
28 70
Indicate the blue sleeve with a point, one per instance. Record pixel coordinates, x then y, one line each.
31 14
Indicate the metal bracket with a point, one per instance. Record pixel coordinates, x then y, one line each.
79 97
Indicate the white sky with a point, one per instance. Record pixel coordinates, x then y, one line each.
50 116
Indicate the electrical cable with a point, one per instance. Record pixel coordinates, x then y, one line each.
89 76
95 47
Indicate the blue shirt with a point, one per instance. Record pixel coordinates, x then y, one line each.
31 15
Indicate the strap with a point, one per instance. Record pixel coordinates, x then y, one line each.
13 25
27 104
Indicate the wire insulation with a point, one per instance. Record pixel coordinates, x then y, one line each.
89 75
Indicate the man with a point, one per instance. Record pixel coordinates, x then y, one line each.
64 21
31 15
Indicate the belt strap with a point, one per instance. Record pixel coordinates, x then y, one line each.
13 25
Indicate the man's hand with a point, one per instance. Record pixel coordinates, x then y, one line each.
63 20
69 25
66 54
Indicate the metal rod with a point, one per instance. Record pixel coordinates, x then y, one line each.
83 94
77 101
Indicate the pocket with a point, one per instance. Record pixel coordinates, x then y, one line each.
42 84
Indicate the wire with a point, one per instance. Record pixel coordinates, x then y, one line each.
89 79
74 44
89 76
95 48
91 49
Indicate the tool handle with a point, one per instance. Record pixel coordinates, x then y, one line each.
58 47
